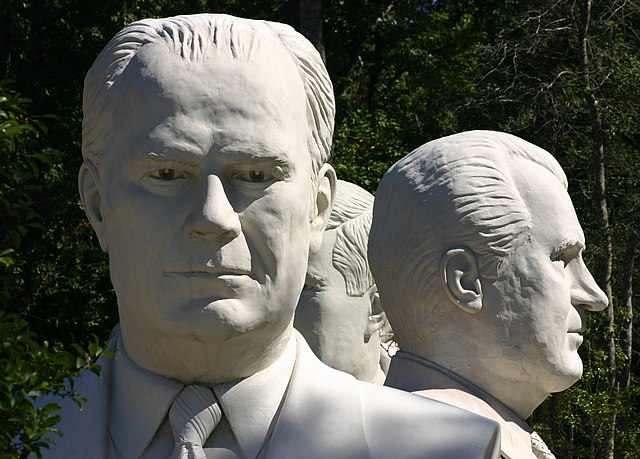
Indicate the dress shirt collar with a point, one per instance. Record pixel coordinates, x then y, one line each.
140 401
250 404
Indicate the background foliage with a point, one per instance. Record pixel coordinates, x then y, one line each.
404 72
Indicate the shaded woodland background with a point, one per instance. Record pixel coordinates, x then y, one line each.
561 74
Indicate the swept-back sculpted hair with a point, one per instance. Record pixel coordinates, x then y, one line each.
351 218
192 37
457 191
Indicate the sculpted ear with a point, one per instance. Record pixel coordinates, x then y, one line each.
89 188
461 279
325 194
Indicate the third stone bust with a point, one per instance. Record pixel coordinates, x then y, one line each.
339 311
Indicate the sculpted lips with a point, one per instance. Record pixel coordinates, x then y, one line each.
212 269
209 283
577 327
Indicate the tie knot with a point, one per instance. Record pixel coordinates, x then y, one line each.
193 416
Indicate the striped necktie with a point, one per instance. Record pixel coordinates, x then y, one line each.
193 416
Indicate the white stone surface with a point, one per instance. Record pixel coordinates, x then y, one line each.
477 252
205 141
339 311
199 252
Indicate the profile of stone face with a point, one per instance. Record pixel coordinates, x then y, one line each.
339 311
477 252
205 141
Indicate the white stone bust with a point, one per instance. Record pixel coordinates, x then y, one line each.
192 185
477 253
205 178
339 311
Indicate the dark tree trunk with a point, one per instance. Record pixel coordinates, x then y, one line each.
600 197
6 38
624 423
627 329
311 24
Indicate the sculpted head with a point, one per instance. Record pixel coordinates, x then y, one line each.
339 310
205 141
477 253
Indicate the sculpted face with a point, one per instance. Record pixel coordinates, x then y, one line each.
535 311
338 327
207 200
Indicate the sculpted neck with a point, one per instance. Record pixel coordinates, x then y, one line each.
188 360
518 392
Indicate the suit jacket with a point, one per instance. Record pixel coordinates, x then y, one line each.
324 414
427 379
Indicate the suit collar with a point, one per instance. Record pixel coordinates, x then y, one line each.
140 401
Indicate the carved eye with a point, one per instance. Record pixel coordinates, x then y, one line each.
167 174
256 176
560 259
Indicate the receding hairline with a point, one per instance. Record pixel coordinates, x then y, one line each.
512 148
192 37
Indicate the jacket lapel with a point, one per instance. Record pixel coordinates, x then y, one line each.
321 414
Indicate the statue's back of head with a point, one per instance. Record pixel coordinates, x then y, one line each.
339 310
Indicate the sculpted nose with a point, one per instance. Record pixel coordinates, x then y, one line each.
215 218
585 292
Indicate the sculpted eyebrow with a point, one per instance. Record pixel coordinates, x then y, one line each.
173 156
251 151
247 161
564 246
258 161
315 279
